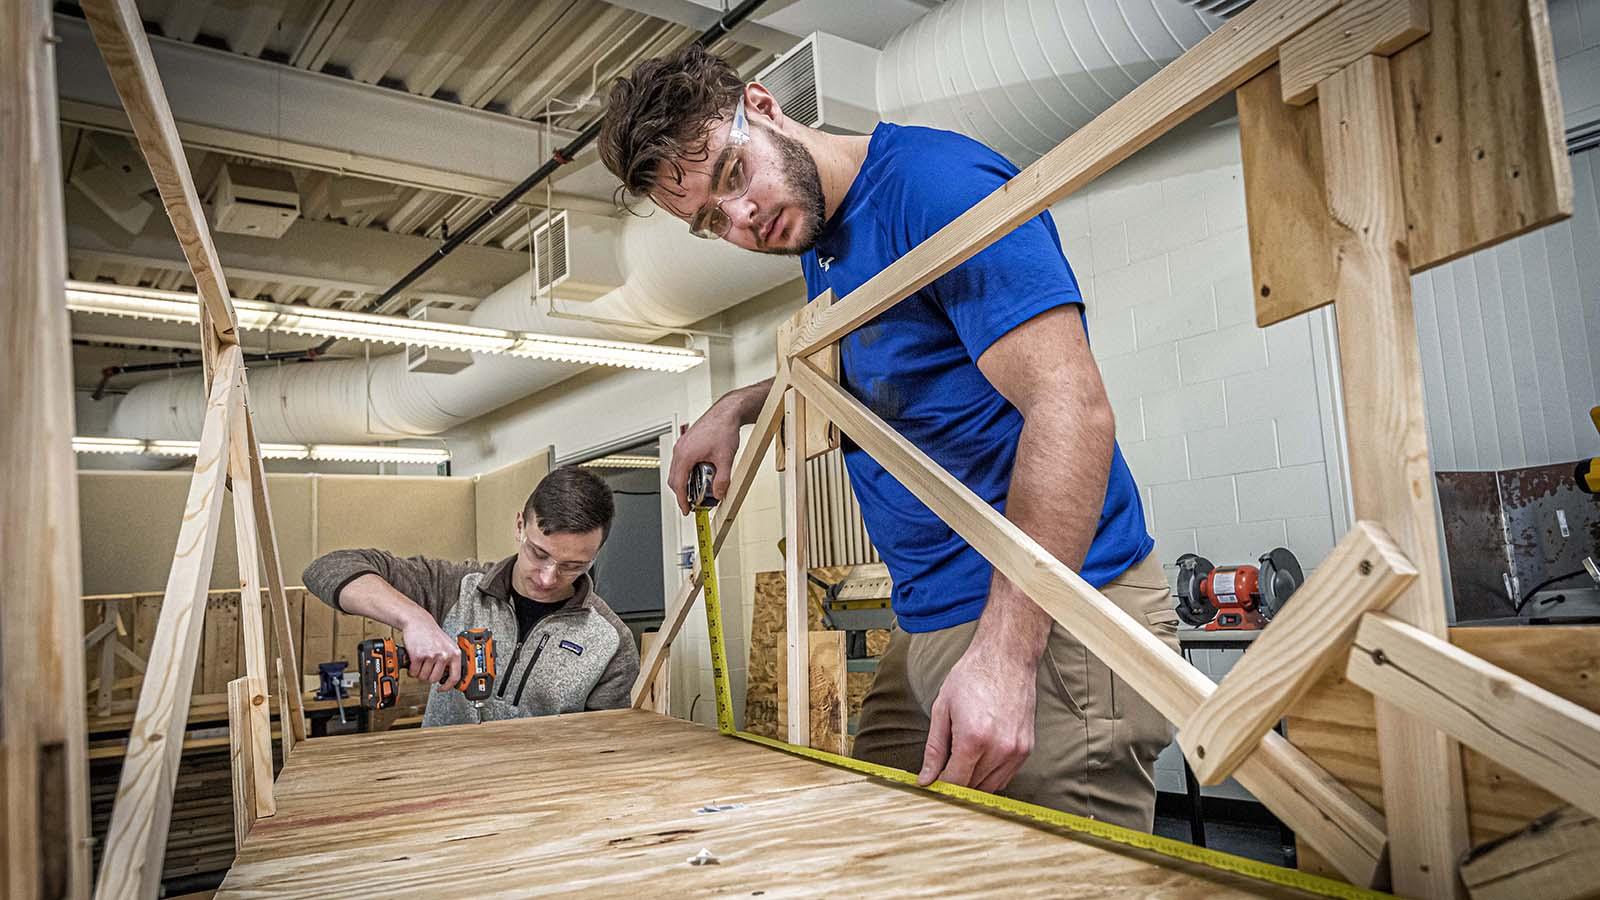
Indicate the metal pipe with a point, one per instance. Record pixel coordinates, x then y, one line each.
723 26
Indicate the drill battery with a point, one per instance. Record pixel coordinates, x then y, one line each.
381 661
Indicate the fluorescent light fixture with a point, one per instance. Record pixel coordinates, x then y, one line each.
623 461
106 445
432 456
428 456
310 321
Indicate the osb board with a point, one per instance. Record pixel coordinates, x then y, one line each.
1333 724
768 620
1482 152
602 804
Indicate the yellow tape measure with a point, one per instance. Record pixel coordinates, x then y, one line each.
1227 862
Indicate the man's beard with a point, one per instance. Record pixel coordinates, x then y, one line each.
804 185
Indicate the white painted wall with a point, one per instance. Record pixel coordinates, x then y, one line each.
1510 336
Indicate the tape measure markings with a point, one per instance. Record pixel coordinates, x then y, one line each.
1227 862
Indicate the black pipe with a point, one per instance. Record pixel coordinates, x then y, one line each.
729 21
559 158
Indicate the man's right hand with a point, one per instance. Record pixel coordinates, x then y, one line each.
435 656
713 438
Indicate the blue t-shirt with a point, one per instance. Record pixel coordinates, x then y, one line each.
916 365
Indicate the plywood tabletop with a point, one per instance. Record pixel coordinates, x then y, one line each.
611 803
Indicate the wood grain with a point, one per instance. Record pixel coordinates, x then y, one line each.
1297 790
1354 30
821 434
827 693
1335 725
626 821
1364 572
796 723
131 864
1391 477
119 33
1554 858
1546 739
658 699
744 472
241 753
1286 202
1480 128
254 638
42 738
1208 71
285 621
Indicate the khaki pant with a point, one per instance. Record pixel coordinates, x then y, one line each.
1095 740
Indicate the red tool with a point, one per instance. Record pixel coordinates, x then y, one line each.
1235 597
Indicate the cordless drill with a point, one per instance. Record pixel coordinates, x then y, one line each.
381 660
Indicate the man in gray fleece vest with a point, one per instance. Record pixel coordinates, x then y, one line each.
560 648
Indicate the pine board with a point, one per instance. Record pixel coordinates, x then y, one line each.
1333 724
605 803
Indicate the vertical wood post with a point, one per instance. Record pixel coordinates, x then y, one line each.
1391 477
796 566
44 803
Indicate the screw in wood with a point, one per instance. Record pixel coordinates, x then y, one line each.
1365 567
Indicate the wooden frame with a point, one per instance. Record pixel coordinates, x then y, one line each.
1335 53
229 456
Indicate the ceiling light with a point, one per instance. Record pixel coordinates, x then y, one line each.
106 445
431 456
623 461
310 321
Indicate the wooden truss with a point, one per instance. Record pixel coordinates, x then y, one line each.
1346 199
229 455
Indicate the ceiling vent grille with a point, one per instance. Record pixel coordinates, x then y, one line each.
826 82
552 257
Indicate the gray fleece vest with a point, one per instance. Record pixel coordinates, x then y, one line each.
551 672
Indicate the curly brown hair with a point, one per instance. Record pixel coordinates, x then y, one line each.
663 112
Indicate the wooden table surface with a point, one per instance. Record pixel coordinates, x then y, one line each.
608 804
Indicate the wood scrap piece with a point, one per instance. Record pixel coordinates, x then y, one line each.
827 692
1550 741
241 752
135 840
1364 572
1482 141
1391 477
1286 202
657 698
1555 858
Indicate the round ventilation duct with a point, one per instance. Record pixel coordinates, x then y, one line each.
668 278
1021 75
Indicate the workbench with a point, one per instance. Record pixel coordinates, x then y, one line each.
612 802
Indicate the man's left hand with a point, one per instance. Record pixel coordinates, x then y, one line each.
982 721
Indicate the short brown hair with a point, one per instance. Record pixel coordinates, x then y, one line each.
570 500
662 112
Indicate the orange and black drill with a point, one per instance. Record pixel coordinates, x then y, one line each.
381 660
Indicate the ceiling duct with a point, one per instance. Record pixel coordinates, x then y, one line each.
255 201
826 82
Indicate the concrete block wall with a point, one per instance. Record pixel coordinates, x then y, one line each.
1225 426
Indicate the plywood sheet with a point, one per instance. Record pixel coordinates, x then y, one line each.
625 820
1334 725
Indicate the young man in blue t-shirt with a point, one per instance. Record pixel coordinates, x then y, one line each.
988 371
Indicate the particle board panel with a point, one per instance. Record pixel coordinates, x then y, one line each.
1333 724
628 819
